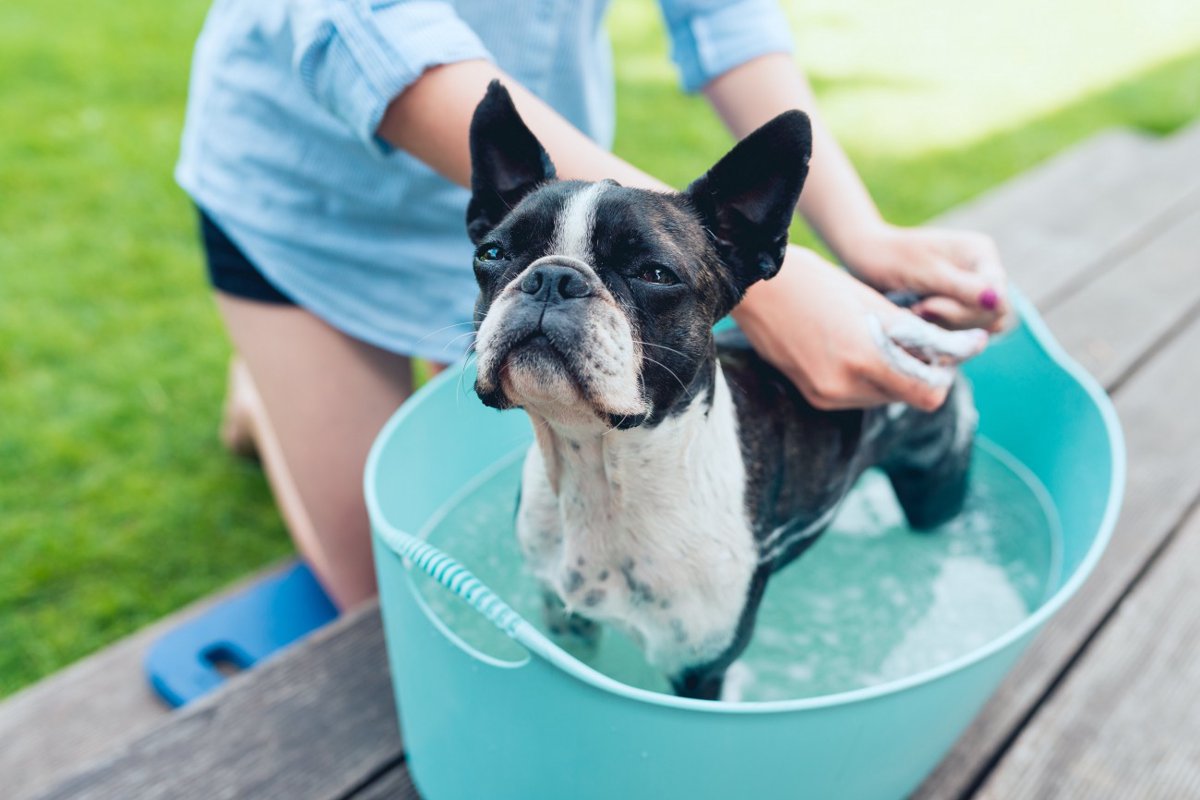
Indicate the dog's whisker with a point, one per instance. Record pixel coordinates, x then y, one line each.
456 338
660 347
668 370
616 425
462 372
431 334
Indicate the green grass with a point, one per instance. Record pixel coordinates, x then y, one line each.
911 185
117 504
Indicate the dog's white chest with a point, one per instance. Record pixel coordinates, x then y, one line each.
648 530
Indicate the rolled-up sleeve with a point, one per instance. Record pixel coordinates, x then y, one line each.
355 56
711 37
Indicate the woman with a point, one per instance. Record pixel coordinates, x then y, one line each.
326 146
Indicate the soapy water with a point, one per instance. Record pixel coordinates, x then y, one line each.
872 601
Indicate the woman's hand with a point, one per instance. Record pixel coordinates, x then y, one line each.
843 344
957 273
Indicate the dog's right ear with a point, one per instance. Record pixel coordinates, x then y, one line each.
507 161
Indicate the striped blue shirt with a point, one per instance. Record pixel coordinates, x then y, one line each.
279 145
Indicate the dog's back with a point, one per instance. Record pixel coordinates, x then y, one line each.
801 461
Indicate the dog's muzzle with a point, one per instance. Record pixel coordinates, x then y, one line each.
556 338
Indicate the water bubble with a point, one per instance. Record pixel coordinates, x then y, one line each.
870 602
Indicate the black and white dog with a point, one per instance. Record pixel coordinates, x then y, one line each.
673 471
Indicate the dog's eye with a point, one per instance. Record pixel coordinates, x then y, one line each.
489 252
658 275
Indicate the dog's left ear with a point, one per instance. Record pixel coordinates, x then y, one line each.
507 161
747 200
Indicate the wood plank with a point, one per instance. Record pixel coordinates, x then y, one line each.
1157 406
1184 145
1068 218
1112 340
1124 724
1109 324
69 719
317 721
258 746
394 784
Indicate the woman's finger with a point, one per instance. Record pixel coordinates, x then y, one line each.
841 389
943 278
952 314
863 393
901 378
948 313
977 253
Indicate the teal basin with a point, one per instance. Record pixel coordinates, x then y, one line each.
548 726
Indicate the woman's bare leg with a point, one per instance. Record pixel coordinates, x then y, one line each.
313 400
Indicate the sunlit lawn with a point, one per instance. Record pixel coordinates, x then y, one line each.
116 503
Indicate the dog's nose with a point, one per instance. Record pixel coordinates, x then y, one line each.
554 282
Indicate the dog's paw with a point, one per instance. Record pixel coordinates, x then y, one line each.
574 633
737 678
577 635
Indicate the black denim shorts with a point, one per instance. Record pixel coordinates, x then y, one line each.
230 271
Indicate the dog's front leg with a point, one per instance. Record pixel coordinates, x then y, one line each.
702 683
929 464
577 634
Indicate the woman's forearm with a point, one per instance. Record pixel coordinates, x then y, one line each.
431 120
835 201
958 274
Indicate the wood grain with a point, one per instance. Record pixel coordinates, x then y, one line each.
1109 324
80 714
1078 320
1157 407
1125 723
1074 215
318 721
394 784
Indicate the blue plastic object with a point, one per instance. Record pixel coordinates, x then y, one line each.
547 726
194 658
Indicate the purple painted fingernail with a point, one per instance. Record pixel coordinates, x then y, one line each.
988 299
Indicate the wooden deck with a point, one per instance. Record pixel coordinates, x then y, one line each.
1106 703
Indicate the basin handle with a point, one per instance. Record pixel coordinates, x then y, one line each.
455 577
